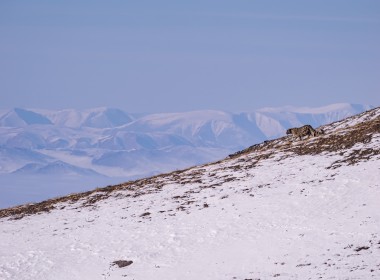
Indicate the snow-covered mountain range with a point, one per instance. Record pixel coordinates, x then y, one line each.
280 209
115 146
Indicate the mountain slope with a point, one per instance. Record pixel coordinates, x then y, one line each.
282 209
97 133
121 146
95 118
20 117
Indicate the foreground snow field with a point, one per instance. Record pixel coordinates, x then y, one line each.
283 209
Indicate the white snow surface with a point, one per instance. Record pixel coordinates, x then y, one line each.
287 216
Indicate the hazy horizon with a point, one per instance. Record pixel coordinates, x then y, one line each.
174 56
287 107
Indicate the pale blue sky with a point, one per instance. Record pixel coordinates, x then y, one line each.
161 56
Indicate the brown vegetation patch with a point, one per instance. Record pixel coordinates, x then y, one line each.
335 141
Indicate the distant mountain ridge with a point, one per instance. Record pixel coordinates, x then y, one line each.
100 139
75 148
111 117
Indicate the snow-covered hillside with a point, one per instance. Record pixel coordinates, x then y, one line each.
115 146
282 209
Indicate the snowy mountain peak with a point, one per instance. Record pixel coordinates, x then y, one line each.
103 117
21 117
106 117
347 107
284 209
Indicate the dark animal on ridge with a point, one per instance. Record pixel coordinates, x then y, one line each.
306 130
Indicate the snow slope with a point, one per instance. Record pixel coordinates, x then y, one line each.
282 209
121 146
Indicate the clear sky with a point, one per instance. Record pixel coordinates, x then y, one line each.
167 56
